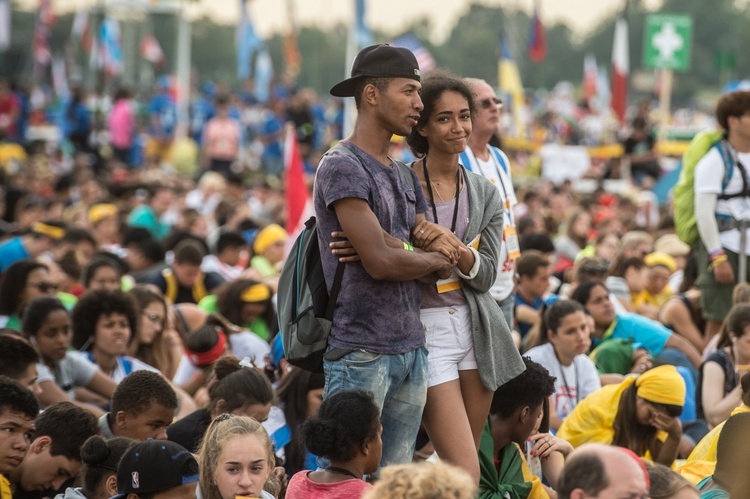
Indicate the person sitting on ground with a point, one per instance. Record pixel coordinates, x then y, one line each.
154 342
228 259
730 477
628 278
640 414
143 405
269 250
40 239
423 481
99 471
533 269
18 360
22 282
516 407
236 459
659 341
236 387
156 469
208 342
683 312
562 351
47 325
18 409
719 390
657 290
246 303
346 432
54 456
597 470
668 484
103 272
183 281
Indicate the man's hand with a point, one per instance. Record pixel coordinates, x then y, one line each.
342 248
723 273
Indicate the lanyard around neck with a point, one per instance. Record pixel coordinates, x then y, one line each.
432 198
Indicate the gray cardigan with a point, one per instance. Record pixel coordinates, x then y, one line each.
498 359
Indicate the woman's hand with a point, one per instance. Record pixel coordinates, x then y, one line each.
545 444
666 423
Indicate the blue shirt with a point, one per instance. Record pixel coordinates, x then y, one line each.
200 112
651 335
524 327
163 108
12 251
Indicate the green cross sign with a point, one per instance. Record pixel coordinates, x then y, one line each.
667 43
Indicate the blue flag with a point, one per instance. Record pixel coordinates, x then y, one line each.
246 41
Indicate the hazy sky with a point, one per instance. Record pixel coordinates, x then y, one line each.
391 15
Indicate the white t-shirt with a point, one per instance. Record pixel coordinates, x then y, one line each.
243 344
573 383
709 175
124 365
70 372
495 173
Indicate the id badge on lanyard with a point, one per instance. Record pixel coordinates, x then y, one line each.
510 235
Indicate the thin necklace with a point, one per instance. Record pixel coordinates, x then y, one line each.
437 191
342 471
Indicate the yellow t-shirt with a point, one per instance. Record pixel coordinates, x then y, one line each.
5 492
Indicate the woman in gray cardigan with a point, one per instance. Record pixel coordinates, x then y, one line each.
471 351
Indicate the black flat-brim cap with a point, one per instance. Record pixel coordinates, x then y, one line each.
379 61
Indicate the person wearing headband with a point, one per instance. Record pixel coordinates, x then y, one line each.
269 248
236 387
640 413
40 238
104 222
246 303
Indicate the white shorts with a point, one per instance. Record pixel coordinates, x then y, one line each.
449 343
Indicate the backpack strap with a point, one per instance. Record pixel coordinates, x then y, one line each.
463 158
199 288
171 281
127 365
730 160
500 159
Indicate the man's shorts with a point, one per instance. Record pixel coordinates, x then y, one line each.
716 299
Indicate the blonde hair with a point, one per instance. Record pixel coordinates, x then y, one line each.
221 430
423 481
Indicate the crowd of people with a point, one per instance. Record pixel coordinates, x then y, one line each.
490 338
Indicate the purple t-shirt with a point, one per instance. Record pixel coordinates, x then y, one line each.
376 316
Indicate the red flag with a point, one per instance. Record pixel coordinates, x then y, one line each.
537 38
297 194
620 70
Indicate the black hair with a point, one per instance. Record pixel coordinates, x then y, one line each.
629 433
530 263
100 459
70 265
229 239
553 315
68 427
359 86
37 311
94 304
16 355
238 386
188 252
145 243
292 393
76 235
229 302
14 397
138 390
583 291
13 281
622 267
584 471
433 87
97 263
345 422
537 241
529 388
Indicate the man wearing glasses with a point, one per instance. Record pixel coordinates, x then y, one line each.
490 162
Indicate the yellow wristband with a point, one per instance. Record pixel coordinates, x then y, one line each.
408 247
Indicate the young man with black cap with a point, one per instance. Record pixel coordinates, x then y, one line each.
377 339
157 469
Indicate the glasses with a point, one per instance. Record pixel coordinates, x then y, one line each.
44 287
486 103
155 318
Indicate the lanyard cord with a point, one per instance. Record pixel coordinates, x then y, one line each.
502 186
565 381
432 199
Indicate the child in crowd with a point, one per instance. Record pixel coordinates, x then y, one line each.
143 405
236 459
18 409
47 325
99 471
235 388
346 432
54 456
157 469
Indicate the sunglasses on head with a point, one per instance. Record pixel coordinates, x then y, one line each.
486 103
45 287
